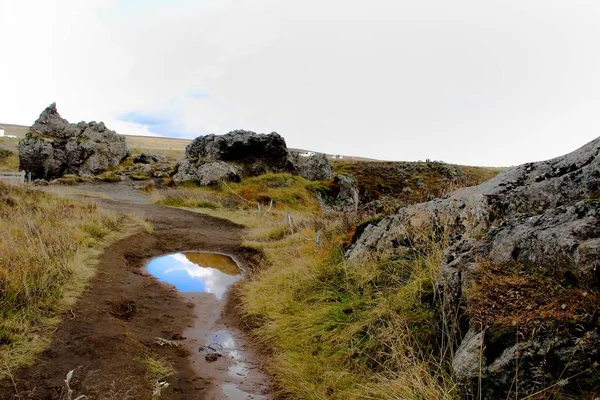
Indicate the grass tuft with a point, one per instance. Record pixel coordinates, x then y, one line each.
158 369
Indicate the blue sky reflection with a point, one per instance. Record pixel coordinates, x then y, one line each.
187 276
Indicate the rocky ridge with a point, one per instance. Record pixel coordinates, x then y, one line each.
536 226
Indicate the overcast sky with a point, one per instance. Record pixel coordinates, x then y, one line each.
479 82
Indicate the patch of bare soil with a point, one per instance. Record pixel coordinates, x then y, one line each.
118 319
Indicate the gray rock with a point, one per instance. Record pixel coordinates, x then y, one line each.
469 357
40 182
206 173
255 153
341 196
146 158
248 154
145 168
54 147
314 168
542 216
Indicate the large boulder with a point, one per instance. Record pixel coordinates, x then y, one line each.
315 167
247 154
255 153
523 247
54 147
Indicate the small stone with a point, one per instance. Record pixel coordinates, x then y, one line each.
212 357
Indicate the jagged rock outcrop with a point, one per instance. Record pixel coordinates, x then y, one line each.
541 220
314 168
54 147
247 154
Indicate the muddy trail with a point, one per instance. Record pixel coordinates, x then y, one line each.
126 314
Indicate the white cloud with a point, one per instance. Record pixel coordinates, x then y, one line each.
495 82
214 281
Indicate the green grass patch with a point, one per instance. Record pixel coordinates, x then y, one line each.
109 177
286 191
341 331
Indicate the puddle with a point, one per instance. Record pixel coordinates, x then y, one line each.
235 393
224 343
217 351
197 272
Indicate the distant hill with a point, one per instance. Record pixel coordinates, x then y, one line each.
18 130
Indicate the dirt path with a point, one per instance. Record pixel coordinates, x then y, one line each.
118 318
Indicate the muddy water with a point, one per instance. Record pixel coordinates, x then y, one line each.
219 353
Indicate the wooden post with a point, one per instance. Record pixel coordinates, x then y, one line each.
319 240
289 221
29 177
22 177
260 209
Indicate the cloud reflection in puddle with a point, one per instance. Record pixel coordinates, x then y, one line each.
196 272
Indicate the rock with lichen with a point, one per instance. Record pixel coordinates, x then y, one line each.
520 273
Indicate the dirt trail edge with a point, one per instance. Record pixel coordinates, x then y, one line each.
115 323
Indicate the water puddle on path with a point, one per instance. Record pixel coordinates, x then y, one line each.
197 272
234 393
223 342
218 350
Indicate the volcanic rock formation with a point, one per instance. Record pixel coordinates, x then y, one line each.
54 147
212 158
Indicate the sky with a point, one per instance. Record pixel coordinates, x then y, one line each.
475 82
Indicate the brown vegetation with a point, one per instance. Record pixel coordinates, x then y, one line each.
411 182
505 297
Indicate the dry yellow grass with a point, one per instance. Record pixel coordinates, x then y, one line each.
47 254
170 147
9 160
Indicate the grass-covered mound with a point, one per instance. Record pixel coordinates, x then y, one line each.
287 191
